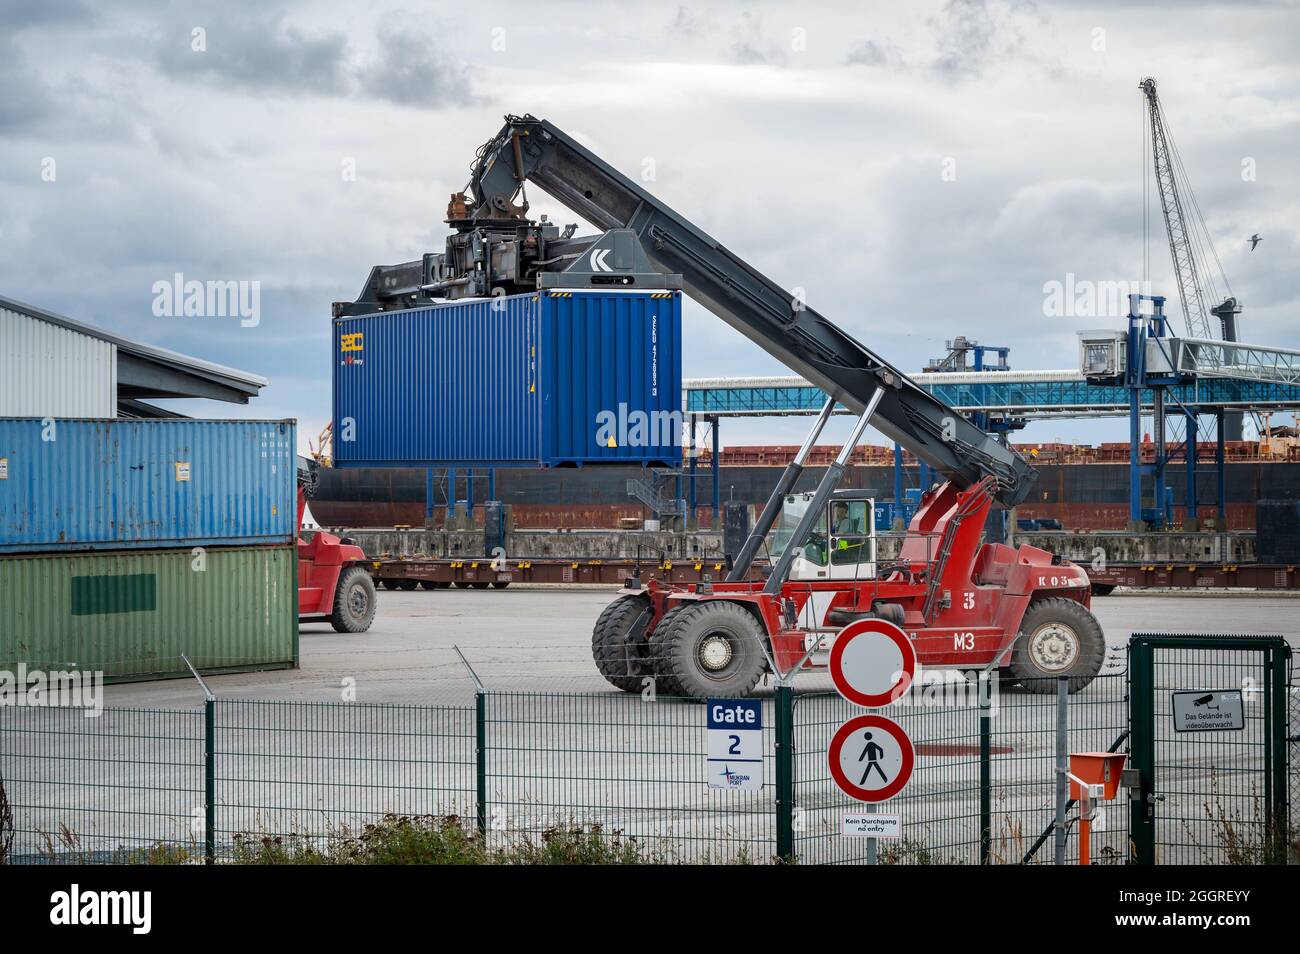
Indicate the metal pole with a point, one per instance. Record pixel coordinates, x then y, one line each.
898 522
480 762
469 495
210 780
1134 459
1062 762
785 772
1158 427
784 484
695 467
451 492
818 503
1220 467
1191 508
986 769
715 466
870 809
428 494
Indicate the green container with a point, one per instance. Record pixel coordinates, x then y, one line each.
132 614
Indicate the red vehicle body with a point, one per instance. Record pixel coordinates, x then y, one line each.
332 582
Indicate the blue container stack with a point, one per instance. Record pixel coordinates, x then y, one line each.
121 484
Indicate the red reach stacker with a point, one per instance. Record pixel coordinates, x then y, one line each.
963 603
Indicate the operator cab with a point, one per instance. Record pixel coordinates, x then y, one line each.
846 552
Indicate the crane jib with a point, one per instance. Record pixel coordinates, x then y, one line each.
532 150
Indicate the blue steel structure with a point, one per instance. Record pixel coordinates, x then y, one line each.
1052 394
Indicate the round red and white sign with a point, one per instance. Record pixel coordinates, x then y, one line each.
871 758
872 662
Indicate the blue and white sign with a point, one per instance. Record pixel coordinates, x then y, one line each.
736 744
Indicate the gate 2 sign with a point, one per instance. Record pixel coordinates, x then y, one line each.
871 758
736 744
872 663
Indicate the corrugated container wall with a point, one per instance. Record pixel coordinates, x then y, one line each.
546 380
134 613
50 371
116 484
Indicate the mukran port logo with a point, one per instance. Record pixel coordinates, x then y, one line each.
733 778
75 906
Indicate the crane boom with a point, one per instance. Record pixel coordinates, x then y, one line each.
533 150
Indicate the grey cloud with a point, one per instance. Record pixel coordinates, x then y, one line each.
26 102
965 32
257 53
413 71
19 16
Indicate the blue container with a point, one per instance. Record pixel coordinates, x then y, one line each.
121 484
551 379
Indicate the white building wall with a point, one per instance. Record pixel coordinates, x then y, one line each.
49 371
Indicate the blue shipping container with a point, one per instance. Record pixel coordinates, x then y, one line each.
546 380
120 484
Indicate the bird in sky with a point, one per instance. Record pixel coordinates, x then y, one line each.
1254 240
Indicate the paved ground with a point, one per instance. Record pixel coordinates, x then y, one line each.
526 639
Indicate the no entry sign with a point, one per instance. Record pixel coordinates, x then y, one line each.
872 663
871 758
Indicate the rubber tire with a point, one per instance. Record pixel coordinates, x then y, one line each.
674 644
344 619
500 584
1103 589
1092 646
621 623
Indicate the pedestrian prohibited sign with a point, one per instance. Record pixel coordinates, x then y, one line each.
871 758
872 663
736 744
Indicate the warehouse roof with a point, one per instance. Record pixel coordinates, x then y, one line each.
147 371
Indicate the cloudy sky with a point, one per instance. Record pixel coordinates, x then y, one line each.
922 169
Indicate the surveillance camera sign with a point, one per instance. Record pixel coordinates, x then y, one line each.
1208 710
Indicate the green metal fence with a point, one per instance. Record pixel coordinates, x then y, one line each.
1219 796
515 766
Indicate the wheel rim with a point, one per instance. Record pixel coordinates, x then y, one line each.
714 653
358 602
1054 647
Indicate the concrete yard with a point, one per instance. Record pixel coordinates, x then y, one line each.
538 639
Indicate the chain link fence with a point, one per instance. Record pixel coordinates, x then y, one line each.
190 784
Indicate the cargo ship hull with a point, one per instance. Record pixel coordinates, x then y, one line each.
1091 496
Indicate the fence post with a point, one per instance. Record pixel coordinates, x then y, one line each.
480 758
209 780
1062 762
986 770
209 766
1277 663
785 773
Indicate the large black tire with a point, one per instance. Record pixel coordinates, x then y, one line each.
618 642
1058 637
354 601
706 649
1103 589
